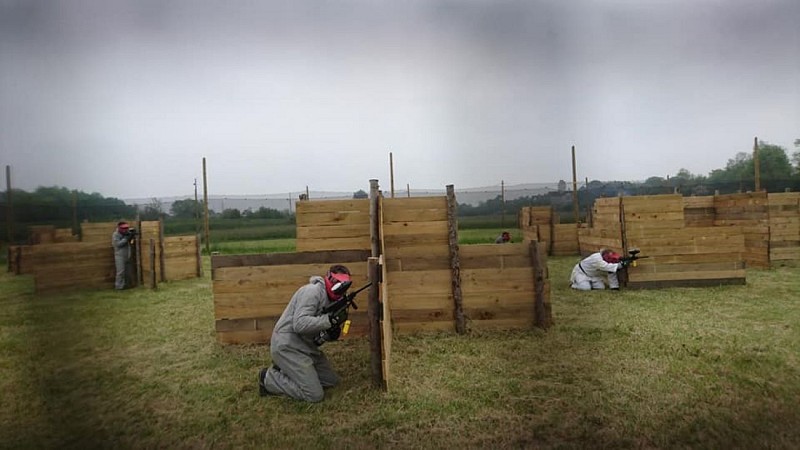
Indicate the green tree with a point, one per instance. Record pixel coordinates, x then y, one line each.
231 213
153 210
360 194
186 209
773 164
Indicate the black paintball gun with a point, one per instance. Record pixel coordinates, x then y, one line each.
333 333
631 260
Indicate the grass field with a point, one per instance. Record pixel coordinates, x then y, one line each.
674 368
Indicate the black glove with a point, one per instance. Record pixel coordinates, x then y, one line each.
338 318
334 332
625 263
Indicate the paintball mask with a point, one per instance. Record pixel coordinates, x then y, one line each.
336 284
611 257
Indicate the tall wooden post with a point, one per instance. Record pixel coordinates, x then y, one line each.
756 164
542 316
153 282
374 312
9 207
74 212
391 173
196 211
408 190
374 218
574 188
162 258
502 204
455 263
307 197
205 208
199 260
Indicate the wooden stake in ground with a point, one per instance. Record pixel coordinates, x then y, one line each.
391 173
9 207
153 282
205 207
455 263
374 218
374 312
756 164
541 317
575 188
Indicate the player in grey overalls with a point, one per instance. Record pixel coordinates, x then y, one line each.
121 241
299 369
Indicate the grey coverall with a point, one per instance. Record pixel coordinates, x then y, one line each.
303 370
122 254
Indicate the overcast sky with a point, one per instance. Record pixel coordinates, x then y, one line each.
125 98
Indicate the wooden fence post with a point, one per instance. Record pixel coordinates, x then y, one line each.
374 218
153 284
540 314
455 263
374 312
138 250
161 257
198 255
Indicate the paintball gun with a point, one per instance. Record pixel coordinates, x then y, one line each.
634 256
333 333
131 233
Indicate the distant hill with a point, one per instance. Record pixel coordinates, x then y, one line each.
286 201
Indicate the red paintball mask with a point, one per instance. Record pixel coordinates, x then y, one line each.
336 284
611 257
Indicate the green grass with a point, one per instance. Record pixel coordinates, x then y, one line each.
673 368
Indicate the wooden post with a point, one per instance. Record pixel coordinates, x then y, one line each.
552 232
162 258
756 164
198 255
574 188
455 263
541 314
391 173
153 283
623 231
374 218
205 207
18 260
9 207
502 204
408 190
138 250
374 312
74 212
196 210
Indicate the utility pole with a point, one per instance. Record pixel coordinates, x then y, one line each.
205 207
9 207
502 204
574 188
756 164
196 210
391 172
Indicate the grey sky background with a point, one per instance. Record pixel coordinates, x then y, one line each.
126 98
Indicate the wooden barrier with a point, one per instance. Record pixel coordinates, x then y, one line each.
181 257
541 224
784 227
498 285
332 225
150 230
251 291
678 255
66 266
19 259
41 234
749 212
417 258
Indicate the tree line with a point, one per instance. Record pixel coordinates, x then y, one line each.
66 208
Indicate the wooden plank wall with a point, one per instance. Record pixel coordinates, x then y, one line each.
149 230
606 229
41 234
98 231
784 227
497 285
677 255
181 257
19 259
750 212
690 256
417 260
698 211
332 225
78 265
565 239
541 223
251 291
